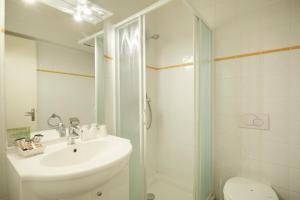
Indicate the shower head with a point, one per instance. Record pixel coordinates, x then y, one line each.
88 45
154 37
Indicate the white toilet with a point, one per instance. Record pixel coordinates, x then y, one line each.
239 188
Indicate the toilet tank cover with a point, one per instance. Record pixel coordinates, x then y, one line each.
238 188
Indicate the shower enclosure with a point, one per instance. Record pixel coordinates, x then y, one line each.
163 71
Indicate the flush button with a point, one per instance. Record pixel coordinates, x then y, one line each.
259 121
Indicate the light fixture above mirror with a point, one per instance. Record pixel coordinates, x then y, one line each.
30 1
82 10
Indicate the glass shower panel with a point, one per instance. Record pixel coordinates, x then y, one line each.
204 109
130 99
99 79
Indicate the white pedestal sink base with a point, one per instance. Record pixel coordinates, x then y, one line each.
115 189
73 187
69 172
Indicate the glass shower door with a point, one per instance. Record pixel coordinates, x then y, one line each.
203 108
130 98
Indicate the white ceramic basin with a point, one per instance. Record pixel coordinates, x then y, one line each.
76 154
68 170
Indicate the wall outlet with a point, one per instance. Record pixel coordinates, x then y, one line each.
259 121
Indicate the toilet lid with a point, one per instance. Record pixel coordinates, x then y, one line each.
238 188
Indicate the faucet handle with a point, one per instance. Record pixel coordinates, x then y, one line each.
74 131
74 121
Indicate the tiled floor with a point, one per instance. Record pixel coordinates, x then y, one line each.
166 191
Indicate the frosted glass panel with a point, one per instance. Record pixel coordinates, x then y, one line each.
129 124
99 79
204 110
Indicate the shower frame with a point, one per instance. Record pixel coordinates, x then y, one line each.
200 27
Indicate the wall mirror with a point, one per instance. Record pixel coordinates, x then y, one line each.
49 76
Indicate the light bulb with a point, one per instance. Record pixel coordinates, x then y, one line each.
87 11
30 1
77 17
97 10
82 1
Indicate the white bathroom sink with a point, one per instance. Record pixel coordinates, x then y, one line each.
76 154
68 170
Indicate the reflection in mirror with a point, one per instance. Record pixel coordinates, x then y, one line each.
99 51
49 76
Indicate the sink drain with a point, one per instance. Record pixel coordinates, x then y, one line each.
150 196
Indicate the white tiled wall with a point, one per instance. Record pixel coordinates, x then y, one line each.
267 83
170 140
174 24
170 147
152 89
175 139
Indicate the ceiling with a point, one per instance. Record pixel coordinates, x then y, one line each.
218 12
123 8
46 23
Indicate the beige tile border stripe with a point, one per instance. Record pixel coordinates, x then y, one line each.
151 67
171 66
258 53
66 73
108 57
161 67
2 30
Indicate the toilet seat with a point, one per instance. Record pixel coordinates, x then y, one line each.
239 188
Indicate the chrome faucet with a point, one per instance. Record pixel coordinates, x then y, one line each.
74 130
74 133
